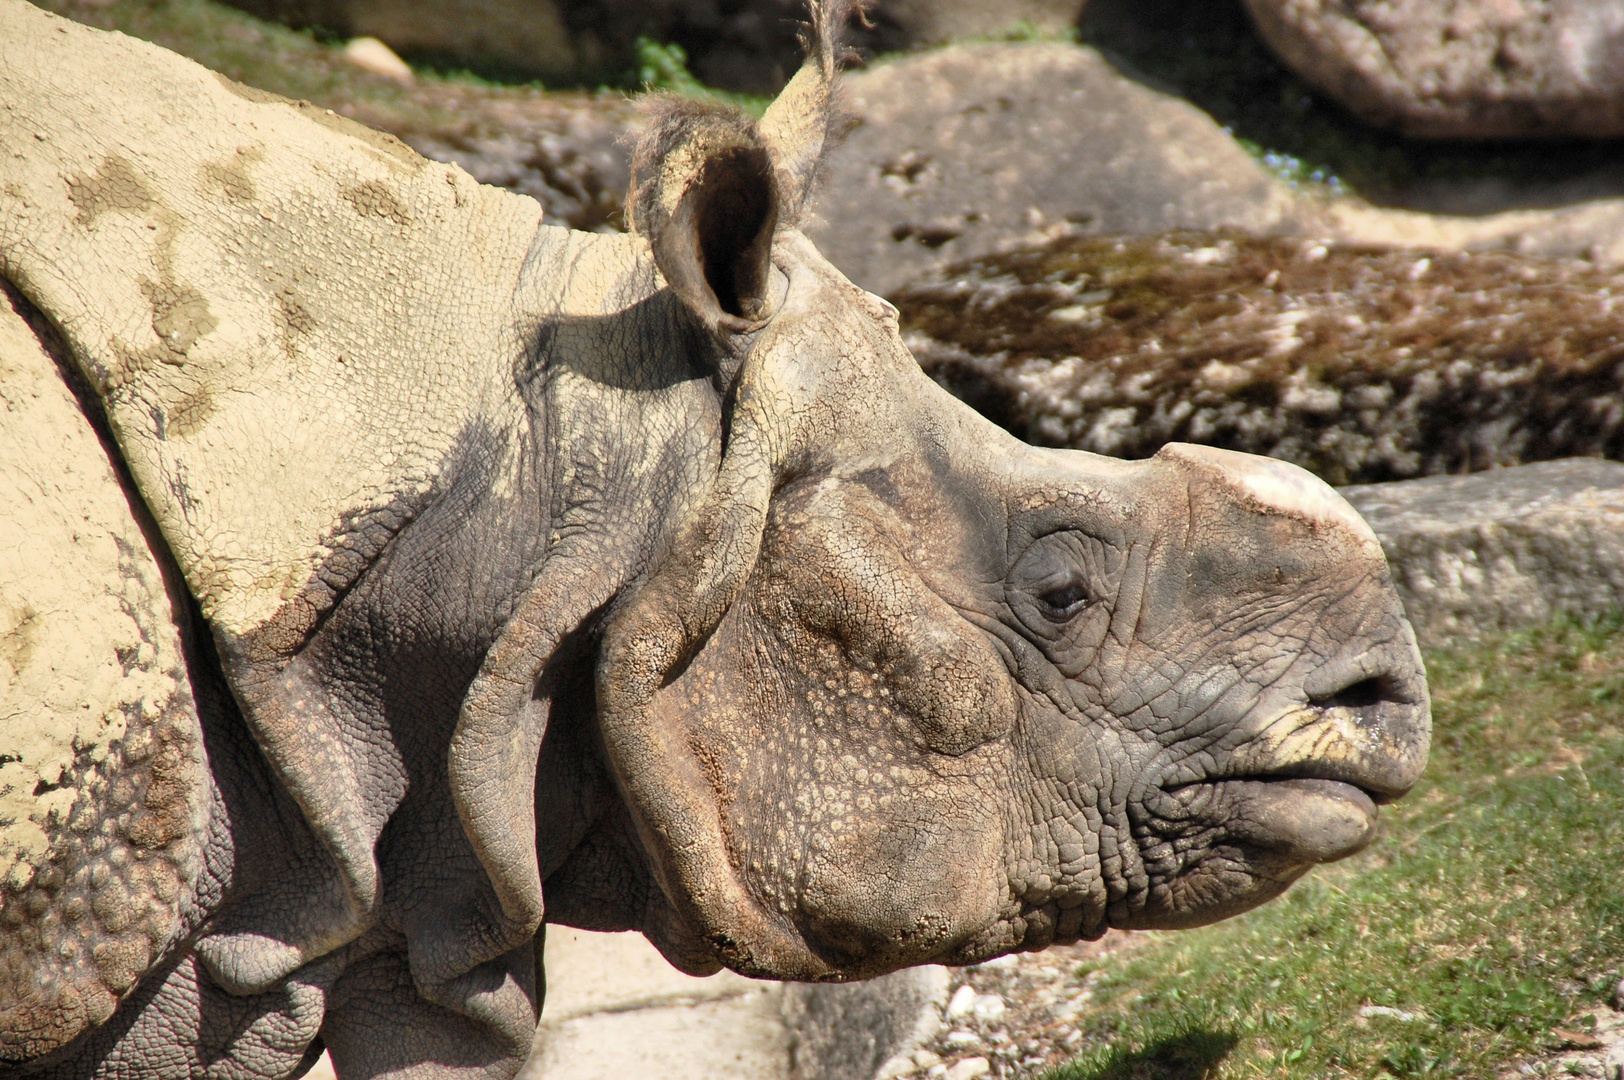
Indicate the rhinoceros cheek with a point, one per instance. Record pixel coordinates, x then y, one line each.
879 895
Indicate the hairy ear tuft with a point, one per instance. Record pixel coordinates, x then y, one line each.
797 125
704 195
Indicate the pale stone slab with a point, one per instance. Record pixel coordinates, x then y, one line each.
1504 549
589 973
737 1038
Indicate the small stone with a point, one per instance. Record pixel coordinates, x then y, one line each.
1370 1012
961 1002
897 1067
999 964
988 1008
962 1038
969 1068
370 54
926 1059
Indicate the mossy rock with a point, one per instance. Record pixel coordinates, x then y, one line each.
1361 364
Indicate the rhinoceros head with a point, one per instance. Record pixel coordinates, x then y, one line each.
531 576
905 689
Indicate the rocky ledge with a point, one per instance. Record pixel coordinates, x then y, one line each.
1360 364
1507 549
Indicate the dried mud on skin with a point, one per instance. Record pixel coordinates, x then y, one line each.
564 149
1361 364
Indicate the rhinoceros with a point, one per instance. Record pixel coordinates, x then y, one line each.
385 573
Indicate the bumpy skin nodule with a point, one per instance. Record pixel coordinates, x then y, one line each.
519 575
103 791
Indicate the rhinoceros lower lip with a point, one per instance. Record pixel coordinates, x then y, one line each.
1305 821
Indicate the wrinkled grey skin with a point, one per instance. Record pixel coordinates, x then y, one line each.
769 649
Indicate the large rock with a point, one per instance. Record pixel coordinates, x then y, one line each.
1502 550
974 149
1460 68
854 1031
1361 364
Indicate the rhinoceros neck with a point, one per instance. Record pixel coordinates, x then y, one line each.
593 427
622 412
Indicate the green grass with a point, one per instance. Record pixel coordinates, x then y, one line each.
1491 910
665 67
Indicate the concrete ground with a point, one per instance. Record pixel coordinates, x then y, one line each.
615 1010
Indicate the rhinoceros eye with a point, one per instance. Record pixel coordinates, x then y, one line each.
1064 601
1061 591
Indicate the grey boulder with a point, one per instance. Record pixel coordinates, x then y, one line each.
1463 68
1502 550
978 148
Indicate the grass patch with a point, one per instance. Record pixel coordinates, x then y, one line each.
1488 914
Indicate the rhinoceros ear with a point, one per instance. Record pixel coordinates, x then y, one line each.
796 125
703 194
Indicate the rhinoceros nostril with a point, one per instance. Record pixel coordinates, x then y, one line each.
1360 695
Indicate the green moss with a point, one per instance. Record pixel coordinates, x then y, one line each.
1488 914
1360 364
664 66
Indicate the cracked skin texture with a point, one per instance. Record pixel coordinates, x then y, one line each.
497 574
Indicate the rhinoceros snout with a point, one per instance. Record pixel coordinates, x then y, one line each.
1371 730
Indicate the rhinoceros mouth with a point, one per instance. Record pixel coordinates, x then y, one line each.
1301 820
